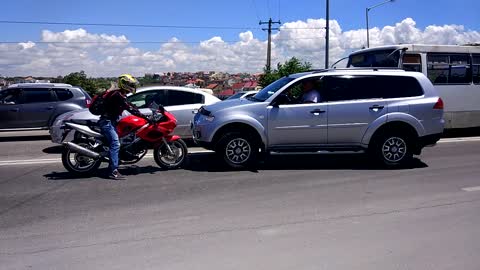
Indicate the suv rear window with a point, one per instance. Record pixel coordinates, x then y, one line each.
349 87
63 94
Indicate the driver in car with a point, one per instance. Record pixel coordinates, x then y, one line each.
310 93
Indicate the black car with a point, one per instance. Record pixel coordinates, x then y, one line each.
36 105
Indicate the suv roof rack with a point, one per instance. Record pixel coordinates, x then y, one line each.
40 85
369 68
354 68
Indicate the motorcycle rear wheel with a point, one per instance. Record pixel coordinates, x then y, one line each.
78 163
169 161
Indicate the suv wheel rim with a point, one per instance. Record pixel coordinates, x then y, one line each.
238 150
394 149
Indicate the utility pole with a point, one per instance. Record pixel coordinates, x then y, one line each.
269 46
327 33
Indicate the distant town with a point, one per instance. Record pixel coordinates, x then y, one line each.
222 84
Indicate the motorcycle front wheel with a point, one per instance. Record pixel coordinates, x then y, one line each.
78 163
173 159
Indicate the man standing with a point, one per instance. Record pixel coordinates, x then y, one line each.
115 103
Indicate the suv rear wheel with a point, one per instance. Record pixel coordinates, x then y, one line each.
392 150
238 150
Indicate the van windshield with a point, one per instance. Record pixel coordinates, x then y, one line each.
271 89
380 58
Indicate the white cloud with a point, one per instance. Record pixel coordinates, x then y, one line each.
109 55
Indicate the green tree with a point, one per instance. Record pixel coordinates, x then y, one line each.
92 86
291 66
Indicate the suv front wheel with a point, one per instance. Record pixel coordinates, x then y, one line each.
238 150
392 150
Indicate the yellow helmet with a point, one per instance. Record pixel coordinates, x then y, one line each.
128 83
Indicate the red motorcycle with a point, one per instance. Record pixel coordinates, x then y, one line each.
89 147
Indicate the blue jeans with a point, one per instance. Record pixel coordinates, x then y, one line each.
108 130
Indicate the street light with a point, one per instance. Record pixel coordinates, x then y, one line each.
366 15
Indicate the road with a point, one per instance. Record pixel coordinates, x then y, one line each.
294 212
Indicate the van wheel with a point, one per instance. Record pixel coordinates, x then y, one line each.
238 150
392 150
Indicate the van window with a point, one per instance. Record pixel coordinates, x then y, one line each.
412 62
449 68
380 58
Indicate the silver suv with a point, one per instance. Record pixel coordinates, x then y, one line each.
30 106
389 114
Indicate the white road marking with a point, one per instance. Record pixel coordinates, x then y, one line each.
465 139
56 160
477 188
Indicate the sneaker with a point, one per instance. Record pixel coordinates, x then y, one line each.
115 175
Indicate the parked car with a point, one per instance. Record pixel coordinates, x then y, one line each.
182 102
30 106
242 94
390 114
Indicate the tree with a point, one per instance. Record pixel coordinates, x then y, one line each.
92 86
291 66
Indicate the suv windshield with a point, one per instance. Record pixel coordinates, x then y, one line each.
271 89
374 59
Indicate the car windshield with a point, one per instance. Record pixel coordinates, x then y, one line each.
271 89
383 58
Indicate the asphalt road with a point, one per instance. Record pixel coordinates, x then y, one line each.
294 212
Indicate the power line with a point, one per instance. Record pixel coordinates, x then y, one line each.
129 25
141 42
149 25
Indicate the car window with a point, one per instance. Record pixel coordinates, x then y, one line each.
11 96
272 88
308 90
176 97
343 88
37 95
144 99
476 68
63 94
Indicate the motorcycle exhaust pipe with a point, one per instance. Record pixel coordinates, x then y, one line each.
81 150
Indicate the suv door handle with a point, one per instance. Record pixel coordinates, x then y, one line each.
376 107
14 110
317 112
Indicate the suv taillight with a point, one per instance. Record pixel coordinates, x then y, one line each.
439 104
88 102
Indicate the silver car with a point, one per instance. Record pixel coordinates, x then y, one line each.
182 102
390 114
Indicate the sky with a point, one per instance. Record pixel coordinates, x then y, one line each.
212 34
